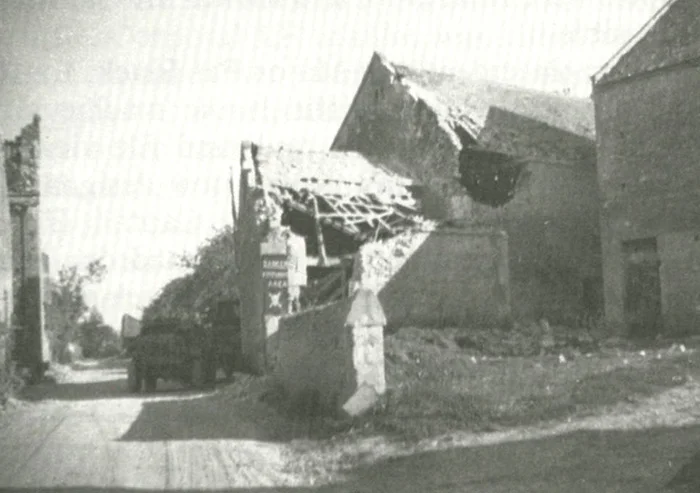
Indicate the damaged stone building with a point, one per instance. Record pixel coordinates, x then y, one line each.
21 260
485 155
314 227
647 109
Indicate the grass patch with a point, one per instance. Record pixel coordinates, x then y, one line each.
435 386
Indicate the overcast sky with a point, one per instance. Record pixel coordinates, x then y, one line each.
144 102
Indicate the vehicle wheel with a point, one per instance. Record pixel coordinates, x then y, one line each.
133 378
151 382
197 374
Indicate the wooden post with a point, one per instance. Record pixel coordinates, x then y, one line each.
319 234
233 200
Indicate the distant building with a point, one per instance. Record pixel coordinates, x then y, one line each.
647 108
487 155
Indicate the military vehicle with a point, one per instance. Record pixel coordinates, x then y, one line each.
172 349
226 323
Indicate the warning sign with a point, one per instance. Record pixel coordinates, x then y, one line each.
275 275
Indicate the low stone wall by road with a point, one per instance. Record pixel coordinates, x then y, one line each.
331 359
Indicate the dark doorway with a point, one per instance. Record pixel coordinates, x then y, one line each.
642 288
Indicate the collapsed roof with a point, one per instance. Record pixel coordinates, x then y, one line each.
342 190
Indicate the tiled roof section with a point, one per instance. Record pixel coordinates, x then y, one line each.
328 172
471 99
670 37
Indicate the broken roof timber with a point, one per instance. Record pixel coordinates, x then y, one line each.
340 189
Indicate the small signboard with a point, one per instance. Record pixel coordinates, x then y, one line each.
275 275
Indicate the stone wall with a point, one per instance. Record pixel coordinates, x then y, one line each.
440 277
248 235
648 150
22 161
331 359
553 219
680 284
553 240
6 292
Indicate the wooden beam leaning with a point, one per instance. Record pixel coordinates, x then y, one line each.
319 234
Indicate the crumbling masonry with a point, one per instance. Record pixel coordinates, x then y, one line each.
332 248
22 319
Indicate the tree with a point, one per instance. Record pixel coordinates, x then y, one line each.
96 339
68 306
212 278
174 300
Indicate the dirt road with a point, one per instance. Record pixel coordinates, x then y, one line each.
87 434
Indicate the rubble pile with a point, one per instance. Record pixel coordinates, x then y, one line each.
530 340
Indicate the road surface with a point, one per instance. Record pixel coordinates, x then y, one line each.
87 434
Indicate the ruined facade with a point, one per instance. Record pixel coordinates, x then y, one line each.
312 228
647 108
488 155
299 219
21 158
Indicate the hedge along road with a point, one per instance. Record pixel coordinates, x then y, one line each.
87 434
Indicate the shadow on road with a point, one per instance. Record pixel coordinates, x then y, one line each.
643 461
114 388
217 416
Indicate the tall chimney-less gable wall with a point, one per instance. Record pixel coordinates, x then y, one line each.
395 126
